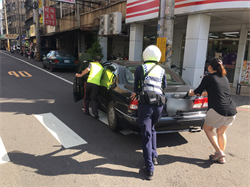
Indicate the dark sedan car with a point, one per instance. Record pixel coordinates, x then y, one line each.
114 98
59 59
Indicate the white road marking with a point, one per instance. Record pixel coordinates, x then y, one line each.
19 100
3 153
60 131
103 116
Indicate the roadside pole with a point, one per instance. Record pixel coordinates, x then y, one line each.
20 30
165 30
6 22
38 42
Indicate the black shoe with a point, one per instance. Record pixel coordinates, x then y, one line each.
155 161
86 112
148 175
96 116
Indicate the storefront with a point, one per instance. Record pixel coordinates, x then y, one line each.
202 30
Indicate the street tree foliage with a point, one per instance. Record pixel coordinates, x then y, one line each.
96 48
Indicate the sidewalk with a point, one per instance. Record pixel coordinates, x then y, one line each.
245 90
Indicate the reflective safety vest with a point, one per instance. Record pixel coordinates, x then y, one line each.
107 78
153 80
95 73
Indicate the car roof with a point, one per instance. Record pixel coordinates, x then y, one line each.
126 62
133 63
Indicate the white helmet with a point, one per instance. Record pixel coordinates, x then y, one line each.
151 53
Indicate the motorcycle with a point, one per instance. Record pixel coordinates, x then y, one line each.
12 49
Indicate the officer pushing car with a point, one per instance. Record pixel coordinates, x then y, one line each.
92 85
150 80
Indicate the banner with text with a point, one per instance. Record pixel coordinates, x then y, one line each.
49 16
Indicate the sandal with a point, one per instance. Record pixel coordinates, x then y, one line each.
222 160
217 155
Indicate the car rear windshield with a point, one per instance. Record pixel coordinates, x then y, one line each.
172 77
64 54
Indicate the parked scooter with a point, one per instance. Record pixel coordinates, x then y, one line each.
177 69
30 54
12 49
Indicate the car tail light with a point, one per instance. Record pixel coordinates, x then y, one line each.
75 61
205 103
56 61
133 105
201 103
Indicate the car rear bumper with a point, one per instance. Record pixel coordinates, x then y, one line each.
192 123
64 65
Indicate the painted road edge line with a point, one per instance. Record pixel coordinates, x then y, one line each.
3 153
59 130
38 68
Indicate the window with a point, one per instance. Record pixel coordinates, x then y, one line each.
64 54
172 78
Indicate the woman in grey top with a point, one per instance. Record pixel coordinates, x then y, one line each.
221 109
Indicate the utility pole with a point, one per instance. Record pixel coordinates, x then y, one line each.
6 22
38 42
20 30
166 27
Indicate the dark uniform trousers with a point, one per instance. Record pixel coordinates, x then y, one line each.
91 91
148 116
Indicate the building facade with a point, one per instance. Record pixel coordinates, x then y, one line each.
202 29
15 13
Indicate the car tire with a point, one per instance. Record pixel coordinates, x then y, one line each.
43 65
112 119
51 68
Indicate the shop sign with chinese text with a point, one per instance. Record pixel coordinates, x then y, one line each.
32 30
49 16
11 36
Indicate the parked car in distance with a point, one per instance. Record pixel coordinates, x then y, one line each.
117 84
59 59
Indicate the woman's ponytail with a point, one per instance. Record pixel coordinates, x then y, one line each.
221 70
217 65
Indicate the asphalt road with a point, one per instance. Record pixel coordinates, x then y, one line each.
95 156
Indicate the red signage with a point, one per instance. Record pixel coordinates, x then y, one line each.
139 10
49 16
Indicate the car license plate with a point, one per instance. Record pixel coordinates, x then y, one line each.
66 61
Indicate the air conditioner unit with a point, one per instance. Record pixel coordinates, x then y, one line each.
115 23
104 24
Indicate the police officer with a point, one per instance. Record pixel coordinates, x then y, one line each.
92 85
148 113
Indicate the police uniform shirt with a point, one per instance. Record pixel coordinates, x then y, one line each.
139 73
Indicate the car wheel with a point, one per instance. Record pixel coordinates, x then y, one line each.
43 65
51 68
112 117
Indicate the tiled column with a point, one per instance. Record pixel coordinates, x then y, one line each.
240 55
135 41
195 48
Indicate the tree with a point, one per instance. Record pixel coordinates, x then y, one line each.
96 48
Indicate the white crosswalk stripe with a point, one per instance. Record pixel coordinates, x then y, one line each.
60 131
3 153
